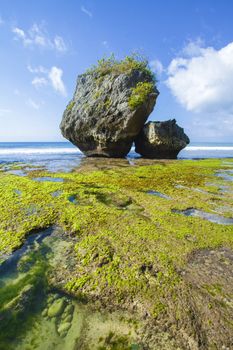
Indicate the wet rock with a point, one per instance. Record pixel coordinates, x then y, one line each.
64 327
161 140
100 120
56 308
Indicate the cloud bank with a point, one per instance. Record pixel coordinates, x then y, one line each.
201 79
202 82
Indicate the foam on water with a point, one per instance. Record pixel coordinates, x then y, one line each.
64 156
28 151
209 148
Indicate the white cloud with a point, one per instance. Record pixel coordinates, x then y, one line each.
37 70
88 13
37 36
55 76
19 32
59 44
51 76
33 104
203 82
39 81
156 66
193 48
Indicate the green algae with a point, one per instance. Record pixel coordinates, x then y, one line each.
122 255
35 316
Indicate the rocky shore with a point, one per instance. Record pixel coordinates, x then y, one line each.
110 106
125 264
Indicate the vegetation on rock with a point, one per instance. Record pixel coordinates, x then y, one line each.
107 117
111 65
140 94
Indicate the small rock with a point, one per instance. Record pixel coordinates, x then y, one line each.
161 140
56 308
64 327
68 318
69 309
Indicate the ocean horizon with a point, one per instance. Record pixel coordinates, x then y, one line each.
16 151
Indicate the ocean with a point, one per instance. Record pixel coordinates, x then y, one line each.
64 156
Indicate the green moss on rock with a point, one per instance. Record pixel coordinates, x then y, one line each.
70 105
140 94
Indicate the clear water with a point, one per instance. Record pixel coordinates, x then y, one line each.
218 219
48 179
46 318
158 194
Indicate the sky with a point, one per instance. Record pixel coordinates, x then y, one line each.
45 44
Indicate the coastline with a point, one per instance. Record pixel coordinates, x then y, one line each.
129 248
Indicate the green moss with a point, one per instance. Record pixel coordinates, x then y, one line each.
97 94
70 105
140 94
107 103
122 254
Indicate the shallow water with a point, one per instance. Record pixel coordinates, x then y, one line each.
49 179
73 199
158 194
225 175
18 192
36 316
56 193
204 215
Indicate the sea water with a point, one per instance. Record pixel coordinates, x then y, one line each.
63 156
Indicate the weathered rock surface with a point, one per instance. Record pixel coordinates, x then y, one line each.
161 140
99 119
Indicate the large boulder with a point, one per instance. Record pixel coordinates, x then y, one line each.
108 110
161 140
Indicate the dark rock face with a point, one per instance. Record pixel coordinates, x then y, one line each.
99 119
161 140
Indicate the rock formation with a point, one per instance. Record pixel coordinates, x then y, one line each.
161 140
109 108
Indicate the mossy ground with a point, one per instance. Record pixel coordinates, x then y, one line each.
131 246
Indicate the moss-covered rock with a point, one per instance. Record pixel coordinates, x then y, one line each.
111 103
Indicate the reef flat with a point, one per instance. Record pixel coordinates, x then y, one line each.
151 242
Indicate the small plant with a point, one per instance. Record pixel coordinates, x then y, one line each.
127 65
70 105
140 94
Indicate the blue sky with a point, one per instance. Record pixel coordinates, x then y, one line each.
45 44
